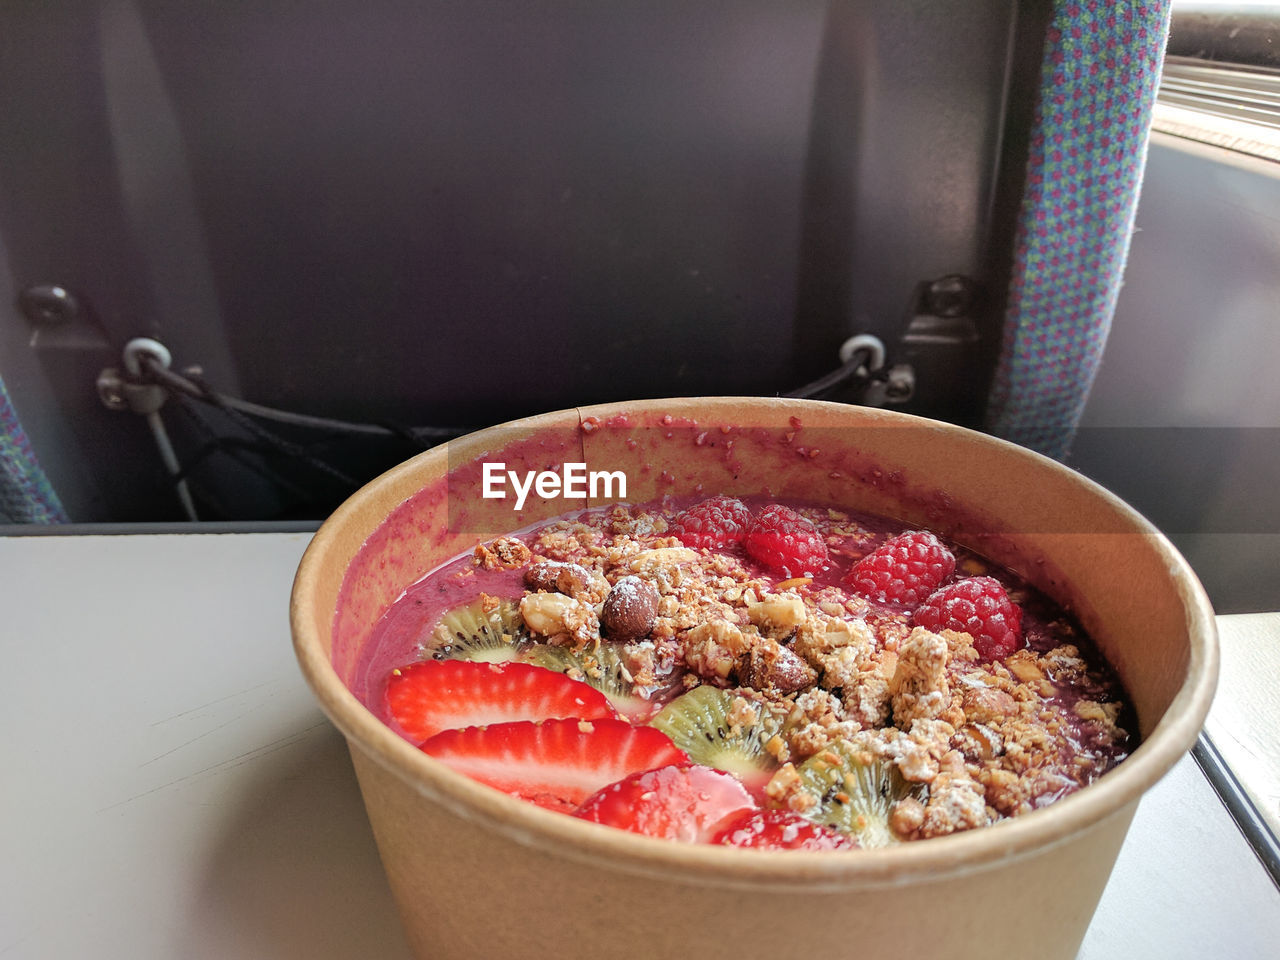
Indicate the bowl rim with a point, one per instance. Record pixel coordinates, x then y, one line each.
1115 794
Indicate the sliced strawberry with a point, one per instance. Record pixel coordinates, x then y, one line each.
435 695
687 803
555 763
781 830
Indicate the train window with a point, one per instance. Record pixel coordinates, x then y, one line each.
1221 82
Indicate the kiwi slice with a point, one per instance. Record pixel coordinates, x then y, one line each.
472 633
854 793
699 723
498 635
559 659
600 665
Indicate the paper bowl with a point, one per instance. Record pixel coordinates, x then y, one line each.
478 874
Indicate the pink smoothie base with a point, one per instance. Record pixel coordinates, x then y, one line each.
400 637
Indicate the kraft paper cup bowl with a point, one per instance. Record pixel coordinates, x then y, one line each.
478 874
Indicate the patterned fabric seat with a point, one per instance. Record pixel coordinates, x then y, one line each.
1098 85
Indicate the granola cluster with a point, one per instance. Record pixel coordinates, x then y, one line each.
976 741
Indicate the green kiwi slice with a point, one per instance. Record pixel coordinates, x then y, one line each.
471 633
698 722
853 796
600 665
500 635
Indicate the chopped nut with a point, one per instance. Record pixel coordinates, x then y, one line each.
956 802
888 664
986 704
978 742
960 647
504 553
818 636
906 817
776 747
663 557
742 712
1102 712
840 669
1063 663
1004 792
640 662
723 633
794 582
712 649
868 701
571 579
773 669
560 618
786 789
777 614
1023 666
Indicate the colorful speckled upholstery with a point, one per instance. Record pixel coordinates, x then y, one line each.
1101 69
25 494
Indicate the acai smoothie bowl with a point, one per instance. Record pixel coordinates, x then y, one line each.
749 677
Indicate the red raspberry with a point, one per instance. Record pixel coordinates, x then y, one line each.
783 540
979 607
716 524
903 570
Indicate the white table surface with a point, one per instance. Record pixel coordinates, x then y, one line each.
171 790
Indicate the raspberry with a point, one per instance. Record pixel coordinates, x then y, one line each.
979 607
903 570
783 540
715 524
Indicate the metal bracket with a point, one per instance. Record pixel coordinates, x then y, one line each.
938 349
59 319
883 386
128 391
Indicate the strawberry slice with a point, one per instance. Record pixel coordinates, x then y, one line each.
435 695
689 803
554 763
781 830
